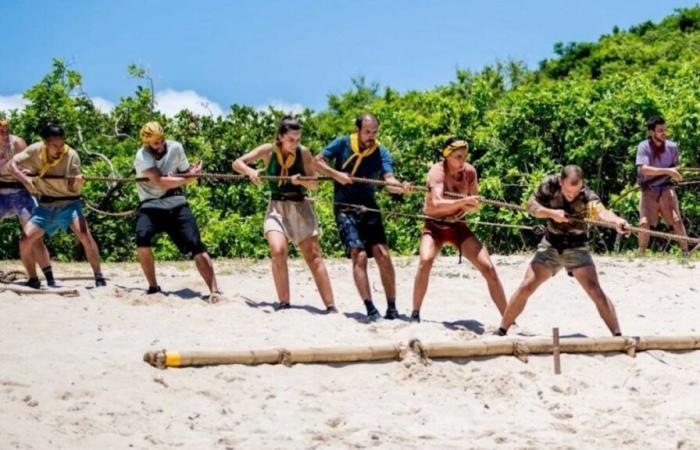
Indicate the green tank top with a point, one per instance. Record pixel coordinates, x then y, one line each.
278 191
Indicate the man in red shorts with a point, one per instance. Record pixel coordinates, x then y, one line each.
453 174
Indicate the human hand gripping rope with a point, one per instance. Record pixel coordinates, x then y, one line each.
403 186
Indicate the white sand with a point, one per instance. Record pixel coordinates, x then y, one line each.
72 375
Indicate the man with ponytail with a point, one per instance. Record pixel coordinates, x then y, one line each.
164 208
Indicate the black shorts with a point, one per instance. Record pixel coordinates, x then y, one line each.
360 230
178 222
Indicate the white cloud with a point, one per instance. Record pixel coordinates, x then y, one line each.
171 102
102 104
8 102
280 105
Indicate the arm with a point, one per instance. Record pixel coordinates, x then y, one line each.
398 187
309 171
439 206
323 167
536 209
169 181
651 171
21 145
16 170
241 165
606 215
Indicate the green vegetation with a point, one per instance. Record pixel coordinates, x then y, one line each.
587 105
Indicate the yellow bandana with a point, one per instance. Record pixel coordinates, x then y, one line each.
46 165
356 153
456 145
285 164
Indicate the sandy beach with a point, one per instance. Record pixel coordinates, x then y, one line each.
72 375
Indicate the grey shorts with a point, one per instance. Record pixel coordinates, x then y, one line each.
296 220
570 258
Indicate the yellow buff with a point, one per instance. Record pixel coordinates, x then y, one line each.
4 122
151 132
285 164
456 145
46 165
356 153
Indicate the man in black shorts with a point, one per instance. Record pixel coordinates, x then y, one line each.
163 206
362 232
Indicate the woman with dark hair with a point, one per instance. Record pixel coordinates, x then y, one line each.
290 215
453 174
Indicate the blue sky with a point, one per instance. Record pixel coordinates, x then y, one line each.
289 52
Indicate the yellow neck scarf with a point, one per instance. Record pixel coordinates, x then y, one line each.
46 165
285 163
357 154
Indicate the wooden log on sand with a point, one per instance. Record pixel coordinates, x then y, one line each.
459 350
276 356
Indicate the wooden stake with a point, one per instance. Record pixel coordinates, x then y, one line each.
555 351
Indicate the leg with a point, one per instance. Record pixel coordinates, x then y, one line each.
182 229
648 217
311 249
478 255
30 234
147 225
537 273
359 272
280 274
205 266
148 265
386 269
427 252
39 251
670 210
92 253
588 279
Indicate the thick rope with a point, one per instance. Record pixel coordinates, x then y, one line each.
498 203
363 208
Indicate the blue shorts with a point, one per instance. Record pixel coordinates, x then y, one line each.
360 230
53 219
16 202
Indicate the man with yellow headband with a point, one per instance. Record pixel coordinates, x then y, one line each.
15 200
164 208
565 200
447 226
362 232
57 185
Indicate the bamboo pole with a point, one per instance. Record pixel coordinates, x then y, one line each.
275 356
470 349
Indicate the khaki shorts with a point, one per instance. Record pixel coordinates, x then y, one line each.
652 204
570 258
296 220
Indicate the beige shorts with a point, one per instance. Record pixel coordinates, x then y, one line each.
571 258
652 204
296 220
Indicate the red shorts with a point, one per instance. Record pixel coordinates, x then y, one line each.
448 233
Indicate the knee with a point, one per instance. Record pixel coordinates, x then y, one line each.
381 255
359 260
425 264
644 223
528 287
278 252
487 270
